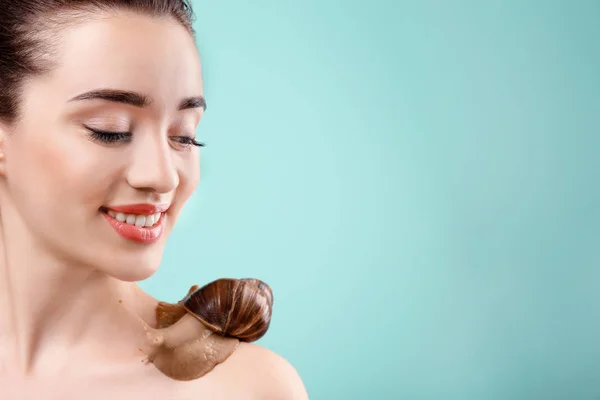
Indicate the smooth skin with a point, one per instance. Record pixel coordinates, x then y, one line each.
69 304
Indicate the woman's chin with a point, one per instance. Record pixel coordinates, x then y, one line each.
136 273
131 266
128 270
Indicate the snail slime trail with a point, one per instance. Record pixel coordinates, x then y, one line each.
204 329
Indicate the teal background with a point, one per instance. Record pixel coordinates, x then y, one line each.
417 181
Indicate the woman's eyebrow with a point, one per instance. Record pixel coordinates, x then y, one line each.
192 102
135 99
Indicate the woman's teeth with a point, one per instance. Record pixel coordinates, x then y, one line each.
137 220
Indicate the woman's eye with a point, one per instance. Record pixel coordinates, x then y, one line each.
113 137
108 136
186 141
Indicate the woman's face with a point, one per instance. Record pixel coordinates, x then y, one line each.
98 175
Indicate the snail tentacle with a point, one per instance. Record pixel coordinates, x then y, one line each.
167 313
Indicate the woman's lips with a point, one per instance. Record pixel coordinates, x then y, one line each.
142 223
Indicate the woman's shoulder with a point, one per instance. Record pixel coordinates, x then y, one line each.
256 372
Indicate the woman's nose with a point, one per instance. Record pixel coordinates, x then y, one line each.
151 167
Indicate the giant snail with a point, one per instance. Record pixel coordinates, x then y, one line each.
201 331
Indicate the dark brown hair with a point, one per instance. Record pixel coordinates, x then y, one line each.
28 27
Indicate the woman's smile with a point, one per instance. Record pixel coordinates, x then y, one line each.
141 223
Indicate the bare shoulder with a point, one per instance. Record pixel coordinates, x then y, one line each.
273 371
272 376
257 373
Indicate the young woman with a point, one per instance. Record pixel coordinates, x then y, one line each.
99 105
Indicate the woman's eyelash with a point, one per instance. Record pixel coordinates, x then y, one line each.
108 137
188 141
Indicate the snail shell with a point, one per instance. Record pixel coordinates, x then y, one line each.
236 308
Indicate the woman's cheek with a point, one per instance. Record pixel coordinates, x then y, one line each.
189 175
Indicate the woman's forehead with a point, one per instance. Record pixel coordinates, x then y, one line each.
151 55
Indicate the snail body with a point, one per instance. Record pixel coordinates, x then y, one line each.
204 329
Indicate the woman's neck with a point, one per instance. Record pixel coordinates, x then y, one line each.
54 315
